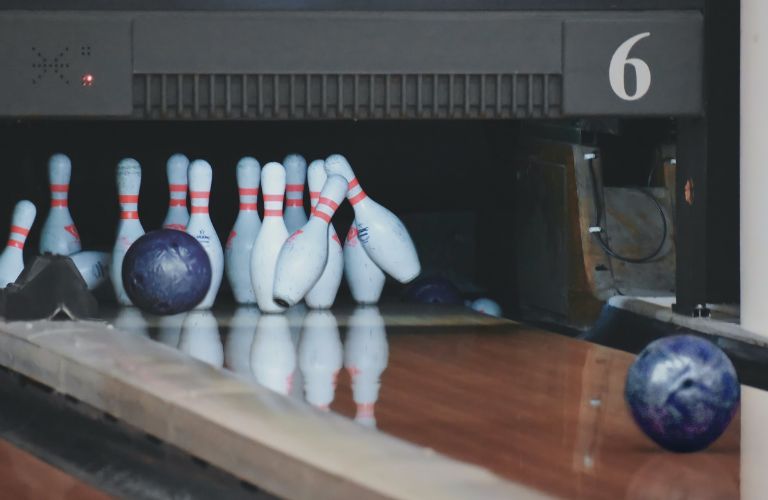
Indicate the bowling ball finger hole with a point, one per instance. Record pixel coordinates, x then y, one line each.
687 383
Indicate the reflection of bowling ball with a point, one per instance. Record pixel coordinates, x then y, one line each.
683 392
433 290
166 272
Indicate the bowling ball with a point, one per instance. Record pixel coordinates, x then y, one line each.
682 392
433 290
166 272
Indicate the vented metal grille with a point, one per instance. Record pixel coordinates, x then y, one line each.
313 96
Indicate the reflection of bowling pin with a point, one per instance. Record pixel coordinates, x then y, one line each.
129 229
273 354
364 277
130 320
169 329
366 354
383 235
200 226
12 258
237 256
271 237
320 357
295 316
200 338
237 347
177 216
93 266
295 176
303 257
59 234
323 293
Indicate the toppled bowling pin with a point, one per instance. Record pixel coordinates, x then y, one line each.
237 255
303 257
273 354
129 229
382 234
177 215
271 237
323 293
295 176
486 306
366 354
12 258
93 266
200 226
200 338
320 358
237 346
364 277
59 235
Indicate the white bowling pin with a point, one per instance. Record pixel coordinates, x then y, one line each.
295 176
273 354
486 306
237 346
200 226
320 358
383 235
12 258
366 354
237 255
303 257
132 321
271 237
177 215
93 266
323 293
200 338
129 228
364 277
169 329
59 235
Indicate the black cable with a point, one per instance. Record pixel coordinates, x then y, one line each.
599 213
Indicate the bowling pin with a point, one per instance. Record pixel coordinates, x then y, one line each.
237 346
200 226
270 239
94 267
177 215
364 277
366 354
237 255
382 234
132 321
273 354
129 228
486 306
303 257
12 258
323 293
295 176
200 338
320 358
59 235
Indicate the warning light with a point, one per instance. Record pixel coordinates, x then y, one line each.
87 80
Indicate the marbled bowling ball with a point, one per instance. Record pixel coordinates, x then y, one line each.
682 392
166 272
433 290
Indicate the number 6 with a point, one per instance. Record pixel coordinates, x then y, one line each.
619 61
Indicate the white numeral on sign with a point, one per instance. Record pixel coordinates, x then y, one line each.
619 61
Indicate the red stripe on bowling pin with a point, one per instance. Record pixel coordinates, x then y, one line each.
355 193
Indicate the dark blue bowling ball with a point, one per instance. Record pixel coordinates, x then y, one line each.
433 290
682 391
166 272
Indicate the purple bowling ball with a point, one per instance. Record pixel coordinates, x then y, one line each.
166 272
434 290
682 392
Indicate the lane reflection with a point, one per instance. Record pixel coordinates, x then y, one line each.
200 337
320 357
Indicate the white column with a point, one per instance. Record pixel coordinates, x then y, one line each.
754 166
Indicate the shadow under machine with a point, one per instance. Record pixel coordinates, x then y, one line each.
548 154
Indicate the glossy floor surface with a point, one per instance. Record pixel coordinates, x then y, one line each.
537 408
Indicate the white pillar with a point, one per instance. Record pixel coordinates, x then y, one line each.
754 166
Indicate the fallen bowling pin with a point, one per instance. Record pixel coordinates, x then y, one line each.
59 235
94 267
200 226
270 239
129 229
237 254
304 255
382 234
323 293
177 216
295 176
12 258
486 306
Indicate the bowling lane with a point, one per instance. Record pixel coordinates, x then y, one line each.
537 408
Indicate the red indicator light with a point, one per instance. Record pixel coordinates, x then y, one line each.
87 80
